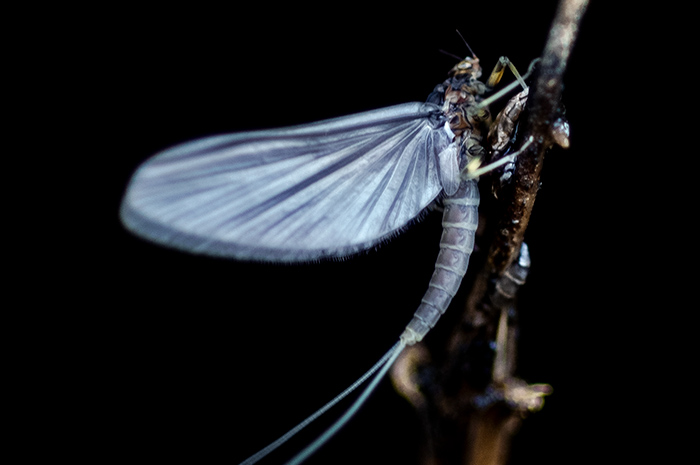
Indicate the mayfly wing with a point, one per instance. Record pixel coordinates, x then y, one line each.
325 189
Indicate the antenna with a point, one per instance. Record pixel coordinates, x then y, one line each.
465 43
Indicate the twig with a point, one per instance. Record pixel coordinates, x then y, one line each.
469 409
543 106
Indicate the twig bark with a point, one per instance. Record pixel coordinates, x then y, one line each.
467 395
543 105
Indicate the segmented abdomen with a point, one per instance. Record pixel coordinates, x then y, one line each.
459 221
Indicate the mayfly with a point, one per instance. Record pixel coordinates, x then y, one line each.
330 189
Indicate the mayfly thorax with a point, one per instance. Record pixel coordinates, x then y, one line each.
329 189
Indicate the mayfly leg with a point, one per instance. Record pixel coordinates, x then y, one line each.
497 77
473 171
500 68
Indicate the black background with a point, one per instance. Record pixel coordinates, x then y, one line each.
207 360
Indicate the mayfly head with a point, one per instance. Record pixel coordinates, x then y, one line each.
469 67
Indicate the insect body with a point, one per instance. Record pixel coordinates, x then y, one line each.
461 94
327 189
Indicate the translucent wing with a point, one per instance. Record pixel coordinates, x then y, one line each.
324 189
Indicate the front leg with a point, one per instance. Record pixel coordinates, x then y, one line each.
498 70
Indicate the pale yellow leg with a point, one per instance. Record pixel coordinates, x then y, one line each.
497 74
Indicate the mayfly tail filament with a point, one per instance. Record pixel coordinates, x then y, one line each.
384 363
